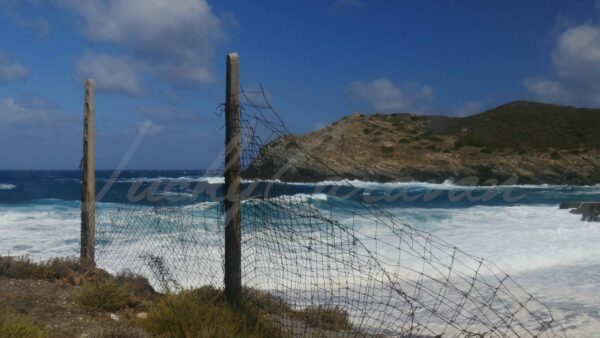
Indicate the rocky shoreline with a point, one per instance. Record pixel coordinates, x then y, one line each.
522 142
589 211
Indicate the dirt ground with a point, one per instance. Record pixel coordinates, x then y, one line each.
53 305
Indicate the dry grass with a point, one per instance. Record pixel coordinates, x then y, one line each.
104 296
90 294
13 325
204 313
24 267
327 318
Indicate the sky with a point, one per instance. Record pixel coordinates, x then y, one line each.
161 64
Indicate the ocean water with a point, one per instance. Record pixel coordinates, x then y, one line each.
550 252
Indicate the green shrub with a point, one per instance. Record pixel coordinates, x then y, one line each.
25 268
204 313
105 295
367 131
486 150
555 155
387 150
328 318
471 140
404 140
259 301
18 326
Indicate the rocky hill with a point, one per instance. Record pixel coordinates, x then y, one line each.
536 142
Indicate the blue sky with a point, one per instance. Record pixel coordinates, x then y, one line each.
163 61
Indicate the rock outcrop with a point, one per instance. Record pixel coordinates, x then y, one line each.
589 211
523 142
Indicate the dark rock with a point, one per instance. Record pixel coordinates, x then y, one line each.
569 205
589 211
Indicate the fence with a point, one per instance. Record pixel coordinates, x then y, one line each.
319 265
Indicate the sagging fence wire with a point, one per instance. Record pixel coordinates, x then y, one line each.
317 264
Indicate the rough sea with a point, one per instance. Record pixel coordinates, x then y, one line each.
550 252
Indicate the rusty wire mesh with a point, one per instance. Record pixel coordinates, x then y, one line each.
322 266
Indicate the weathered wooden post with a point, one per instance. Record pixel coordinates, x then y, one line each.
232 200
88 186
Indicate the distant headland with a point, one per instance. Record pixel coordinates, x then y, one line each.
537 143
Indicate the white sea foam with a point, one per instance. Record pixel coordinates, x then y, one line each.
309 197
40 231
550 252
446 185
6 186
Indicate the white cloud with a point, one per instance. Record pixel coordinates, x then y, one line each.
576 61
29 111
469 108
111 74
546 90
20 13
11 71
169 122
385 96
173 39
577 53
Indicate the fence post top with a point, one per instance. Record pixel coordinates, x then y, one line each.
233 57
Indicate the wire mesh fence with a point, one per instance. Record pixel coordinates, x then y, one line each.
319 265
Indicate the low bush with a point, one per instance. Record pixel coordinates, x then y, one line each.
105 295
328 318
472 140
387 150
13 325
25 268
204 313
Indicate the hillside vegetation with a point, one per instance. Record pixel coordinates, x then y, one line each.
536 142
61 298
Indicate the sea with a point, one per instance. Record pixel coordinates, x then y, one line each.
552 253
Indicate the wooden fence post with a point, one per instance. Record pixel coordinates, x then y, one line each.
232 200
88 186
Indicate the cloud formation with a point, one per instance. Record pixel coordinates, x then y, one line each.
11 71
14 10
111 74
168 121
385 96
31 115
576 62
174 40
469 108
546 90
